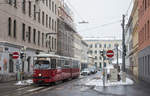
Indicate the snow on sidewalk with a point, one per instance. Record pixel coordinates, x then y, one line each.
99 82
24 82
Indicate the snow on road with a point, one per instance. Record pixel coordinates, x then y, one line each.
99 82
24 82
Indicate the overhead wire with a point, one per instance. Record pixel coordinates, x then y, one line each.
103 25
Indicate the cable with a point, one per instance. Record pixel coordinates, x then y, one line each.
103 25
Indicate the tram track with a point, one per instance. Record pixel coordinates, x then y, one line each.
33 89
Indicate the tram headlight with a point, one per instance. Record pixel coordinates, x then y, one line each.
40 74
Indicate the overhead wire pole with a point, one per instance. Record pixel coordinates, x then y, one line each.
123 43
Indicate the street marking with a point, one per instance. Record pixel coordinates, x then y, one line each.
35 89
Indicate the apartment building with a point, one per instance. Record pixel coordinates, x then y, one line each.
131 39
97 45
66 30
29 27
144 39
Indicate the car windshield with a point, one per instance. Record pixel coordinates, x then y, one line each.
42 64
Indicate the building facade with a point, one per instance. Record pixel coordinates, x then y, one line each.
84 56
144 39
134 50
26 27
95 46
66 31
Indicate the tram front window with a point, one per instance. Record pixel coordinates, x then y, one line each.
42 64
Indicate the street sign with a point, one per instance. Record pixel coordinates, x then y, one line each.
110 53
15 55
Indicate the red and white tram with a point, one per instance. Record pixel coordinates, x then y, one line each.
52 68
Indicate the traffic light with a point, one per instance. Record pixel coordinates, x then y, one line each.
21 55
102 53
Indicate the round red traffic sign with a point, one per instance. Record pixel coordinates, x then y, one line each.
15 55
110 53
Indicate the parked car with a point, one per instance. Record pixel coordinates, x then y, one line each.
85 72
92 70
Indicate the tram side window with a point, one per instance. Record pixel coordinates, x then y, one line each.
75 64
66 64
53 63
62 63
59 64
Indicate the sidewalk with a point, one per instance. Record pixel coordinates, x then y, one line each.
10 86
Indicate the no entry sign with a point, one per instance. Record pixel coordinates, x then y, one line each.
110 53
15 55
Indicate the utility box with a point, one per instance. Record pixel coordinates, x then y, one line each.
123 77
113 75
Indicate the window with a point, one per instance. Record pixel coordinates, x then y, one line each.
15 3
100 65
55 26
55 43
95 51
96 64
34 12
42 39
39 17
38 37
91 46
29 34
100 45
50 22
34 36
9 26
10 2
104 64
24 6
46 20
100 58
43 1
55 9
148 33
109 45
46 2
49 41
23 32
95 57
95 45
52 43
52 6
43 18
30 8
14 29
104 45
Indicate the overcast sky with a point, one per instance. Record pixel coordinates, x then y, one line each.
97 13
